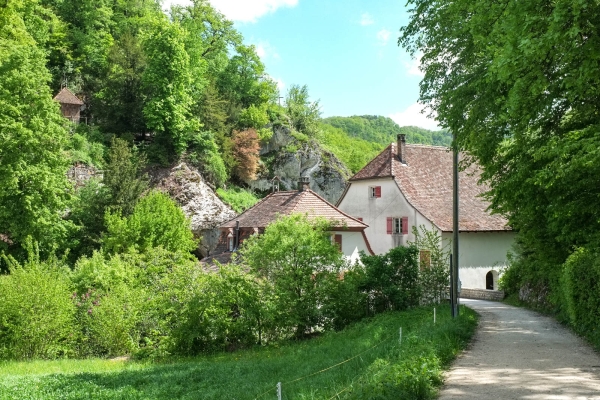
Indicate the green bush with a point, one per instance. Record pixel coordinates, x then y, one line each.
392 279
581 291
36 310
253 117
344 301
156 222
239 199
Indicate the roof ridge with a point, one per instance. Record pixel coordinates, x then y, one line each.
372 161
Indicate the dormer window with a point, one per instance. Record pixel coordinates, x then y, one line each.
374 192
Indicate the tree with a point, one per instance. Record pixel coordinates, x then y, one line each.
245 153
123 184
156 221
303 113
295 255
514 82
166 83
35 190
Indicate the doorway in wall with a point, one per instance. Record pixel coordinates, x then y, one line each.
489 281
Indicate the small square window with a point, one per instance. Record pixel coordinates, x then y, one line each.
374 192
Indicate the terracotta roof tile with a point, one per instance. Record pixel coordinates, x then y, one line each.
284 203
65 96
426 182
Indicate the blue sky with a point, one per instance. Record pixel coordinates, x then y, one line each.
345 51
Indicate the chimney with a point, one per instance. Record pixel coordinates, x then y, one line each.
401 148
303 183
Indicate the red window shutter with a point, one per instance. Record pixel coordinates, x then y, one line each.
405 225
338 242
377 191
389 225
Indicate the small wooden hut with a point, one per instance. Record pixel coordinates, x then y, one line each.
70 105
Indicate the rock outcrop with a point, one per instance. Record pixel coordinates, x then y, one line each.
289 158
198 201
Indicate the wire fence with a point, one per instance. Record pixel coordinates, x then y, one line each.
281 384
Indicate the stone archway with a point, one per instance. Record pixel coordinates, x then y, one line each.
491 280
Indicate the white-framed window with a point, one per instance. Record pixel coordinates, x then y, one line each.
374 192
397 225
230 243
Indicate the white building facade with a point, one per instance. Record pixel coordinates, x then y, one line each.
411 185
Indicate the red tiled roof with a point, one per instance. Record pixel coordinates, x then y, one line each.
65 96
426 182
284 203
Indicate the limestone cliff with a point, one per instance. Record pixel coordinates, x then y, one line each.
199 202
289 158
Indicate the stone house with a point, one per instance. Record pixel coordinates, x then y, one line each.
347 232
411 185
70 105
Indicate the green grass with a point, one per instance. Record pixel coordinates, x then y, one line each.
378 367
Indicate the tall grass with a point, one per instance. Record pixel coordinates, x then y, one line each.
372 365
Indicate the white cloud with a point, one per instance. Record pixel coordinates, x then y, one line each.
412 66
264 50
412 116
249 10
383 36
366 19
239 10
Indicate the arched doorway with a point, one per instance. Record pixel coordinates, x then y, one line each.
489 281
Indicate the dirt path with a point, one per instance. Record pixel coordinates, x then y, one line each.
519 354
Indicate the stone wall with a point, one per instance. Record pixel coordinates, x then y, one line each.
482 294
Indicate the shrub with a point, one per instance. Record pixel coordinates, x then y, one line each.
204 153
392 279
581 291
344 301
295 255
156 222
36 311
237 198
253 117
434 275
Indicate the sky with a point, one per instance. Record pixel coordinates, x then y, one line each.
345 51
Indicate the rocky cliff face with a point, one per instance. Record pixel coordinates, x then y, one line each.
198 201
288 158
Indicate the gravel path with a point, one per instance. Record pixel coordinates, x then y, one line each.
520 354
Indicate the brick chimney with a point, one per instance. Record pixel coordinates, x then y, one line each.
303 183
401 148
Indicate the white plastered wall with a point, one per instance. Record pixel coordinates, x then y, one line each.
480 253
374 212
352 244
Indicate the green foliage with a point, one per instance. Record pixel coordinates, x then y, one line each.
383 368
434 275
513 81
355 153
383 131
253 117
36 312
166 82
156 221
295 256
35 189
581 285
303 113
82 149
393 278
237 198
204 152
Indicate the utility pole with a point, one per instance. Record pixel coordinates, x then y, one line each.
454 263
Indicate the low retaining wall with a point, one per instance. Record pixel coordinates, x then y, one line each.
481 294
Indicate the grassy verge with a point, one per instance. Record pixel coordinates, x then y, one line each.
372 365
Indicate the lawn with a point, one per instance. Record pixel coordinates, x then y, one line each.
365 360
